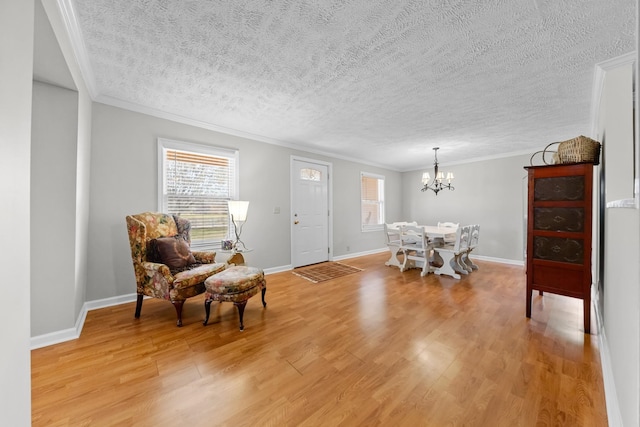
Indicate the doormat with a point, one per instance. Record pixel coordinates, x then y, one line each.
325 271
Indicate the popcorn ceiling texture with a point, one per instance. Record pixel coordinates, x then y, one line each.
379 80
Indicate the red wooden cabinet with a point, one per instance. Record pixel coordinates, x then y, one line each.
559 231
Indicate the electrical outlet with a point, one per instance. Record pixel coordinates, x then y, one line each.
276 210
348 248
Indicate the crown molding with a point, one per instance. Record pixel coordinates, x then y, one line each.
131 106
70 20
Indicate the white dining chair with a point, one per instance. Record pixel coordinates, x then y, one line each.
450 253
448 238
458 262
416 249
392 233
473 242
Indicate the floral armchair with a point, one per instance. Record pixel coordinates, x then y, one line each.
164 265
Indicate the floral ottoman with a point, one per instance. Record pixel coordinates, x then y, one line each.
235 284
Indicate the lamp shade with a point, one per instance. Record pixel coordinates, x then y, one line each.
238 209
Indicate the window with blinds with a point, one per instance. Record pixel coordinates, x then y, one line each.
196 182
372 201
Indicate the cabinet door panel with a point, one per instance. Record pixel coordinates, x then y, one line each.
559 280
560 188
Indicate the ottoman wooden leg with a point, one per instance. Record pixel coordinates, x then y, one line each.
207 309
241 305
264 291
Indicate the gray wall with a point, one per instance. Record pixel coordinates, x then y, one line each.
489 192
124 181
54 139
61 147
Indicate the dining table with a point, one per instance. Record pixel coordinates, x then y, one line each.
432 232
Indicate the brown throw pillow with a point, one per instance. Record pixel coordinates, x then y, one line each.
174 252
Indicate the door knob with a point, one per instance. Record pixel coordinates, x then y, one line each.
296 222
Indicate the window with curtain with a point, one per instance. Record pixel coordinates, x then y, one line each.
195 183
372 201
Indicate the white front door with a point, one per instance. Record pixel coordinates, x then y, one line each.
309 212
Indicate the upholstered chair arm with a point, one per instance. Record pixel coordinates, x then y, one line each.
204 257
154 268
136 231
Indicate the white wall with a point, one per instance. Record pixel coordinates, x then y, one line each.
123 182
621 298
489 193
16 69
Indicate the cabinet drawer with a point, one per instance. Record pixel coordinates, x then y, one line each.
558 280
559 219
558 249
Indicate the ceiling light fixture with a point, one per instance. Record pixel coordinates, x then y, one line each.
436 185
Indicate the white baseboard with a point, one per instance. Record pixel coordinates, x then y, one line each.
359 254
73 333
499 260
289 267
279 269
611 397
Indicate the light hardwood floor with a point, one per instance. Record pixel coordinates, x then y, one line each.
377 347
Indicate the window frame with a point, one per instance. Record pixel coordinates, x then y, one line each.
164 144
380 201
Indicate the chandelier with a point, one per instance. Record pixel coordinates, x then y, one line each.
437 184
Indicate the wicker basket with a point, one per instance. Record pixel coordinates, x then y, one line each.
579 150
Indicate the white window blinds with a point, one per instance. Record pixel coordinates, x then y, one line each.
196 184
372 201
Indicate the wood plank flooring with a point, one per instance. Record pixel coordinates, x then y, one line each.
374 348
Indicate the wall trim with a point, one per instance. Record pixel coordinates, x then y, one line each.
517 262
70 334
484 158
610 395
70 20
359 254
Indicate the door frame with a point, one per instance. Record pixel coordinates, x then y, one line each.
329 167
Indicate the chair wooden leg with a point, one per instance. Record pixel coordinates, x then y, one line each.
139 305
207 310
264 291
178 305
241 305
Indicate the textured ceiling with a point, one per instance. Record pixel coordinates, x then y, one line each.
383 81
